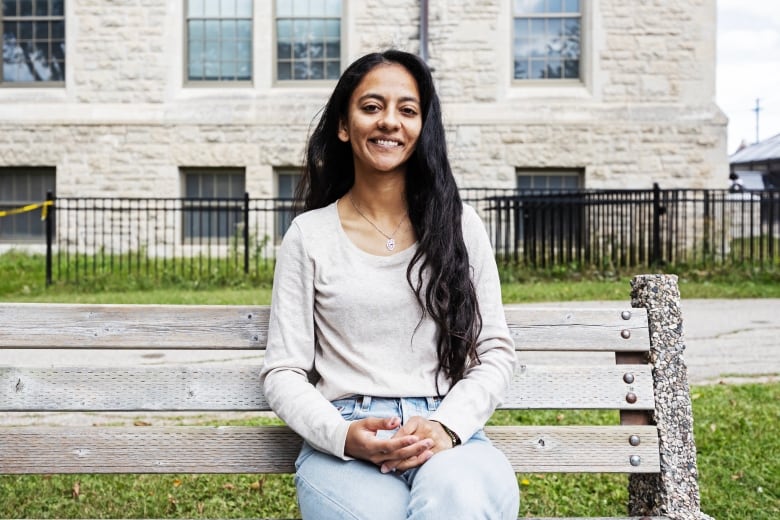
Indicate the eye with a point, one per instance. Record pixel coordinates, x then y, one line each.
409 111
371 108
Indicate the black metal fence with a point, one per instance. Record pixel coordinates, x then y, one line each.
212 239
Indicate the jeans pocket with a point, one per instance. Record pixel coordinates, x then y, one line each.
348 408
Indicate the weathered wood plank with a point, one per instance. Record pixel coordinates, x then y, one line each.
228 327
599 330
237 388
274 449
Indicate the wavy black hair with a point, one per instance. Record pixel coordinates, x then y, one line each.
434 207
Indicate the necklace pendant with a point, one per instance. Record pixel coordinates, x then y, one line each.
390 244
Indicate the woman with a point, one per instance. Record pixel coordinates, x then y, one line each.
387 347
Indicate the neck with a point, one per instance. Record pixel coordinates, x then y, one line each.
383 197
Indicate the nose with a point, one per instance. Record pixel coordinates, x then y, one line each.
389 120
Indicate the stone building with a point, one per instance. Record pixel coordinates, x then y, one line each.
198 98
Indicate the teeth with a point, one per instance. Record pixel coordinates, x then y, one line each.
384 142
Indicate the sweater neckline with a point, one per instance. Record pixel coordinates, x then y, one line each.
399 257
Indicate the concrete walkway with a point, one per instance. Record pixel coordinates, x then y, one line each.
725 340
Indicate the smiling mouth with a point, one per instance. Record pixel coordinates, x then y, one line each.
387 143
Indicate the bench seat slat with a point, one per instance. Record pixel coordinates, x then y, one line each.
599 330
237 388
195 449
232 327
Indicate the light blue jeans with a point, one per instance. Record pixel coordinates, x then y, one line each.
471 481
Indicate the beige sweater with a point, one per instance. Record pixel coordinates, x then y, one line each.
348 321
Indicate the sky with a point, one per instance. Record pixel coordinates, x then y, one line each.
748 68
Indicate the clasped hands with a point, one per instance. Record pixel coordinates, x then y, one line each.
412 445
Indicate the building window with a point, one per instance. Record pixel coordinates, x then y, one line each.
547 39
20 187
33 41
286 182
549 179
213 204
219 40
549 211
308 39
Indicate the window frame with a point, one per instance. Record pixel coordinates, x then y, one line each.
284 205
548 173
292 82
34 19
26 173
232 206
210 83
585 43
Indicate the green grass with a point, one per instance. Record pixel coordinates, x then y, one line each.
22 279
735 431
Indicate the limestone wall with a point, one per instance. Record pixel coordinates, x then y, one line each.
126 121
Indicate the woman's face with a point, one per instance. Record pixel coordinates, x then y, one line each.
384 120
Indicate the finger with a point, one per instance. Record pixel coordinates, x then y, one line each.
408 463
381 423
392 460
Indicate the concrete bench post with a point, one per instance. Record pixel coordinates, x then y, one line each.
675 491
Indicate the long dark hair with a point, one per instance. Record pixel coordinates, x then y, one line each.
434 206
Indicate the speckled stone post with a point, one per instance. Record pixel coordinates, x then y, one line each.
675 491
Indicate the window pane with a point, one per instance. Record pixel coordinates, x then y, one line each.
284 70
571 69
529 6
333 8
195 8
33 47
284 8
332 70
333 29
283 51
244 8
211 8
228 30
308 38
544 46
284 30
19 187
300 7
572 6
227 8
9 7
225 37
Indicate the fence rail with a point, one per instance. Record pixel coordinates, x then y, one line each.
208 239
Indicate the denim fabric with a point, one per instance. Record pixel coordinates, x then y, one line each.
471 481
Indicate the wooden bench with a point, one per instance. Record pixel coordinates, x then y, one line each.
637 369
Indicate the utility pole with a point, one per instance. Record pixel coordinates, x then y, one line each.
757 110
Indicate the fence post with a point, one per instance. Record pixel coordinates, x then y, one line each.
246 232
655 257
49 235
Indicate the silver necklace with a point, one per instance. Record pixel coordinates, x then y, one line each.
390 244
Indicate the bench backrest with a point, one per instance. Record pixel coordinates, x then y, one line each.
577 358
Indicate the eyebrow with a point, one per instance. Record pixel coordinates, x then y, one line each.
372 95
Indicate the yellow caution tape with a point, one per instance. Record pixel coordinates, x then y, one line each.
29 207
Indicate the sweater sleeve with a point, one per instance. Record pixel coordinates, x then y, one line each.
471 401
289 358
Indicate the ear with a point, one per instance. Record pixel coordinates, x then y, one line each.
343 134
